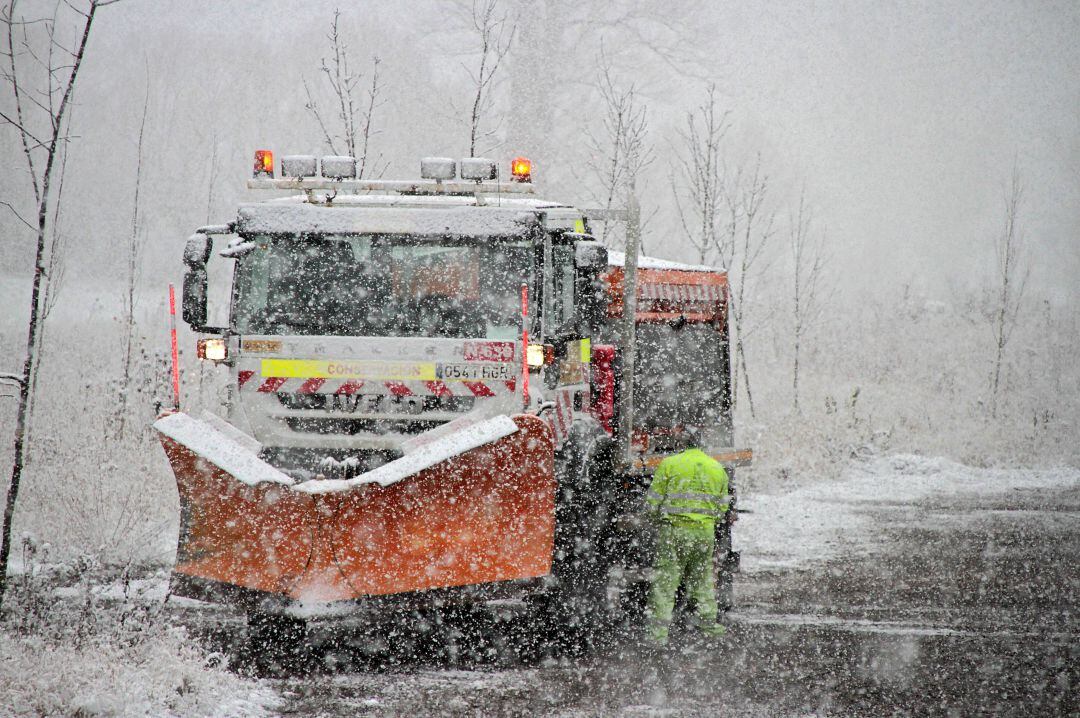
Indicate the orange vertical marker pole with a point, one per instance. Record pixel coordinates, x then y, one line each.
175 351
525 346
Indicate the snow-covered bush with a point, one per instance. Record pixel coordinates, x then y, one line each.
75 643
913 376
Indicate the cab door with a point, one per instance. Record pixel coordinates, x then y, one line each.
566 380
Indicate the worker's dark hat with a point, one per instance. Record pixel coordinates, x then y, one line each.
691 437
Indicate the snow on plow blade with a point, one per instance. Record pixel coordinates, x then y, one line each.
472 506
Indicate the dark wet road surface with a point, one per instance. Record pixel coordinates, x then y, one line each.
958 606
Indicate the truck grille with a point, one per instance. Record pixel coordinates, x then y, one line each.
306 464
375 403
321 425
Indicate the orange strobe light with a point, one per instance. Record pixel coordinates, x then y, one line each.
521 169
264 163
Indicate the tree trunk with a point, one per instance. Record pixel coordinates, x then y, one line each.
35 295
133 261
795 376
745 376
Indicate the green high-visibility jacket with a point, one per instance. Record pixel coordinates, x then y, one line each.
690 487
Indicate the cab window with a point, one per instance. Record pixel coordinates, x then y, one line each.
561 305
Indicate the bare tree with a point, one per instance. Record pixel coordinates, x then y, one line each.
752 223
808 264
621 151
353 113
1011 277
699 180
556 38
724 216
132 276
211 181
42 140
496 36
51 282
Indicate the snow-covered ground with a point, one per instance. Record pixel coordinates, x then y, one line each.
107 646
816 521
164 675
105 651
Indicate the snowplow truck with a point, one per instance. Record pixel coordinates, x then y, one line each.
422 395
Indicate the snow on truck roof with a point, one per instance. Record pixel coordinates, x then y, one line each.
400 214
418 214
618 259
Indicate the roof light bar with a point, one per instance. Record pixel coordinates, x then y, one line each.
404 187
479 176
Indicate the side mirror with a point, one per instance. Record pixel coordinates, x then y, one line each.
197 250
197 253
590 259
194 302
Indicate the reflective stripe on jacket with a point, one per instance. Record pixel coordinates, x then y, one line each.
690 485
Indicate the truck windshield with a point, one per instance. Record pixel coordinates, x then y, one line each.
377 285
679 375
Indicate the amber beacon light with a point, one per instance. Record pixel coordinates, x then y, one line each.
264 164
521 169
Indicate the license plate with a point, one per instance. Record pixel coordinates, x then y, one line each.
478 372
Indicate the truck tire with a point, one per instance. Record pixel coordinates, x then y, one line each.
727 559
727 565
277 644
577 602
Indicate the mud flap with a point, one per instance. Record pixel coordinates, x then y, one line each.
481 516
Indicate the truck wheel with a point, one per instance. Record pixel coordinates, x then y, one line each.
727 565
582 557
277 644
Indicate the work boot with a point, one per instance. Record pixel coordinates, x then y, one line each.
713 635
714 631
657 634
707 628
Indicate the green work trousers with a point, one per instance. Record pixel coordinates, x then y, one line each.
684 554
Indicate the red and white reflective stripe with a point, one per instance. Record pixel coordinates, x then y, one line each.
479 388
311 386
272 384
396 388
438 388
349 387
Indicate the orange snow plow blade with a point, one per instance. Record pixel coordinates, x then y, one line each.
480 515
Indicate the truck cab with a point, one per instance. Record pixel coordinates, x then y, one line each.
360 321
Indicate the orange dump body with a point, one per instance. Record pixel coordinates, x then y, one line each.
665 294
483 516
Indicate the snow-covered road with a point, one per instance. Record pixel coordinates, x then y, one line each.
827 519
910 586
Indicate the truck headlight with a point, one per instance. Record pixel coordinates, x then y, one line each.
538 355
213 349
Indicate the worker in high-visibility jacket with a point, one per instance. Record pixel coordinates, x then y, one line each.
689 494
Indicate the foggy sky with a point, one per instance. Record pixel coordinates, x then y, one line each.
902 122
